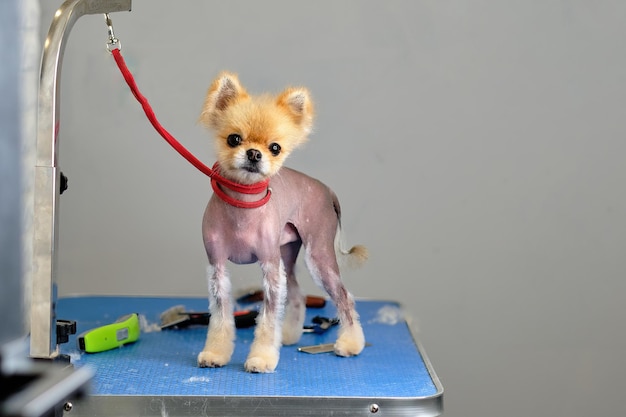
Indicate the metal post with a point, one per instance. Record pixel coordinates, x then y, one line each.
43 342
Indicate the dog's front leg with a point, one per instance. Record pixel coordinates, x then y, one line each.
265 349
220 341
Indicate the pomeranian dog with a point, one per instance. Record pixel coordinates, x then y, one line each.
253 136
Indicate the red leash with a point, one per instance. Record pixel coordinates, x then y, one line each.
256 188
216 179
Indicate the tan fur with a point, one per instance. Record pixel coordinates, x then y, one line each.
259 120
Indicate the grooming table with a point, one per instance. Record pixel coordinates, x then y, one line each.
158 374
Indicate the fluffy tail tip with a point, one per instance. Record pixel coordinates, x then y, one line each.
357 255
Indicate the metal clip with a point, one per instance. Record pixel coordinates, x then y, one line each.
113 42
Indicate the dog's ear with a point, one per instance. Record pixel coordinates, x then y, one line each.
297 102
224 91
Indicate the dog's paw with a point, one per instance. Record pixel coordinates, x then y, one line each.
209 359
293 321
291 335
260 365
262 360
351 341
292 329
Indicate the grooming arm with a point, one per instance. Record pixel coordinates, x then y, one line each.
43 338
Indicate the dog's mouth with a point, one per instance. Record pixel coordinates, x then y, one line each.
252 168
247 172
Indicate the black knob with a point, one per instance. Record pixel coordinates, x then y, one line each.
64 329
63 185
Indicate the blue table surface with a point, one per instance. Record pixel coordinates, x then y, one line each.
163 363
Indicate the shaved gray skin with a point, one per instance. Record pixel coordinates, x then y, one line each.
301 213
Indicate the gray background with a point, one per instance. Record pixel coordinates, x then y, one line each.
477 148
10 185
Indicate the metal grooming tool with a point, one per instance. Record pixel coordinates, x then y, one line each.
255 296
177 318
320 325
323 348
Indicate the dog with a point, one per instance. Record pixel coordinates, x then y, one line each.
253 136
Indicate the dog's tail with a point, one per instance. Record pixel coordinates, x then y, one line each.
354 257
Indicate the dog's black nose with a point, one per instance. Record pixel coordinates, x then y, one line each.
254 155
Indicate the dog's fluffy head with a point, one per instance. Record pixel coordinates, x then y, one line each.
254 134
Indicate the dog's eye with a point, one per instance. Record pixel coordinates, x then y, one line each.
274 148
233 140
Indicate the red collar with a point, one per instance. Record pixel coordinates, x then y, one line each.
218 181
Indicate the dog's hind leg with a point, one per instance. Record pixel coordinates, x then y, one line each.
220 342
322 264
295 306
265 349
